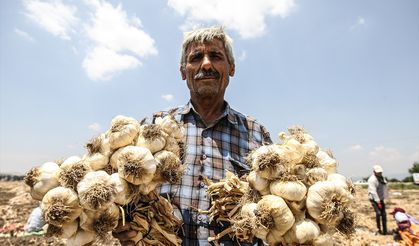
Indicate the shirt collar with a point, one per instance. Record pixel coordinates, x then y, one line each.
228 111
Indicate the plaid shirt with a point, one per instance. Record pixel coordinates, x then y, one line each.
210 151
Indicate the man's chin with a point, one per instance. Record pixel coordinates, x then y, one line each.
207 92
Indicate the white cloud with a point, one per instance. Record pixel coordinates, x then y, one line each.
118 41
243 56
244 16
24 35
53 16
168 97
103 63
359 22
355 147
384 154
95 127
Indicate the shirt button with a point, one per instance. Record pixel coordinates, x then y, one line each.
200 217
202 184
205 134
204 157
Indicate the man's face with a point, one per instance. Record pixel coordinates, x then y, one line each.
207 69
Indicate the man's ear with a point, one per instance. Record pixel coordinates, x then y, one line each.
182 72
232 70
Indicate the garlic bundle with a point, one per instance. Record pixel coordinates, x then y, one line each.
169 167
98 154
73 170
296 190
60 205
152 137
42 179
136 164
124 131
81 196
326 202
96 190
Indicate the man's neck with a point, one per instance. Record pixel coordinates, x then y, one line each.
209 109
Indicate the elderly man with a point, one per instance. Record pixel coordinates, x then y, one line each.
377 192
218 138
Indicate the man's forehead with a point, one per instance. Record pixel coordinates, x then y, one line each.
213 45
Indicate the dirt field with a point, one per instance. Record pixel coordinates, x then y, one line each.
16 205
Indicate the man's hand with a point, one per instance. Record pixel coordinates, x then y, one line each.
380 206
124 234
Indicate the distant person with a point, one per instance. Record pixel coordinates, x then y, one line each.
35 221
377 193
407 230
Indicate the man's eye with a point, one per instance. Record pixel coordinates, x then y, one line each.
195 58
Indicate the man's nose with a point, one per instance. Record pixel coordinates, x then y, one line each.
206 63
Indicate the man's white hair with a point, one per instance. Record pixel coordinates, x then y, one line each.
202 35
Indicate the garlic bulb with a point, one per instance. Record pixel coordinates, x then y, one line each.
136 165
315 174
60 205
326 202
96 190
42 179
152 137
124 192
256 182
323 240
70 160
290 190
80 238
340 180
273 212
100 222
124 131
302 231
269 161
65 231
169 167
73 170
146 188
327 162
175 145
170 126
98 154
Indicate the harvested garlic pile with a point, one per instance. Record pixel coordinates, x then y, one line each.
82 197
291 196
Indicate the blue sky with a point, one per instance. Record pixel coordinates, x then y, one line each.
348 71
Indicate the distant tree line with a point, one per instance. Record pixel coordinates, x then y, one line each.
11 177
412 170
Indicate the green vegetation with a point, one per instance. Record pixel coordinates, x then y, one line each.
397 186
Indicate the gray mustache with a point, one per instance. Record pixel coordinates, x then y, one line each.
207 74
